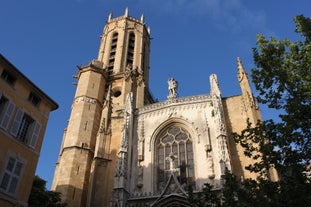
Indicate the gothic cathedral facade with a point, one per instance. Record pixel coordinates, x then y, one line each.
121 148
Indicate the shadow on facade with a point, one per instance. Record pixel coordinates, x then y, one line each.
237 168
100 177
71 195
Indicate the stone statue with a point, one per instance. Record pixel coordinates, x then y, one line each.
140 177
172 88
210 167
171 158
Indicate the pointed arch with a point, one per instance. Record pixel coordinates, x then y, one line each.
174 137
172 121
173 200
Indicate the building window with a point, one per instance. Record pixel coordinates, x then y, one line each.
130 50
34 99
9 78
113 49
25 128
11 175
6 111
143 56
174 141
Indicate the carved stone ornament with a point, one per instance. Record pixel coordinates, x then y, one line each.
85 99
141 140
140 176
102 126
127 73
210 166
241 72
140 79
122 164
171 158
172 88
133 73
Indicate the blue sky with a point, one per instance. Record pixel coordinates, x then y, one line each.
47 39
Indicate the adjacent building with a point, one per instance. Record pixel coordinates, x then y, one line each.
24 114
121 148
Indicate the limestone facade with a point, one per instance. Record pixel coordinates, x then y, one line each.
121 148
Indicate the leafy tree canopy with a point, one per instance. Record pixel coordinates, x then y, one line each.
283 78
41 197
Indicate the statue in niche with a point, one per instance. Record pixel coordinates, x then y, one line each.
140 177
210 166
222 167
172 88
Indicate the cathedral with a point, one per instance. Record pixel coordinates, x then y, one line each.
123 148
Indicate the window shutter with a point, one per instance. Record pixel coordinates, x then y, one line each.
4 122
15 177
13 185
35 134
11 176
5 181
18 168
17 121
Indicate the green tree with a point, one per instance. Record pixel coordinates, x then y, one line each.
283 79
41 197
207 198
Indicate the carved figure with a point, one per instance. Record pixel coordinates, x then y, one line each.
172 87
171 158
140 177
210 165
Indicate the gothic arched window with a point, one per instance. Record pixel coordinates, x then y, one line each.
175 141
113 49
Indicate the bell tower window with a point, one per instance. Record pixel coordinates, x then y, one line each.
130 49
143 56
113 49
174 141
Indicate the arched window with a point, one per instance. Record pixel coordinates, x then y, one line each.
113 49
175 141
130 49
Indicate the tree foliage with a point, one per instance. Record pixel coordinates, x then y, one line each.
41 197
207 198
283 79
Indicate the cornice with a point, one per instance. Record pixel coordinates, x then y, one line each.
174 102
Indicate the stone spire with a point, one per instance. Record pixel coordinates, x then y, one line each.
220 123
248 99
121 188
110 16
241 71
126 12
142 19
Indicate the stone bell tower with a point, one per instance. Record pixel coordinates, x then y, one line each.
88 158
